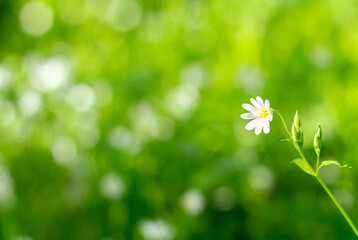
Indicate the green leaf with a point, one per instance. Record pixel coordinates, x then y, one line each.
286 140
303 165
330 162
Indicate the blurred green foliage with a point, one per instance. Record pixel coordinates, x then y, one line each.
119 119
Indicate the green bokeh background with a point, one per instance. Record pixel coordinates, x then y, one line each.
120 119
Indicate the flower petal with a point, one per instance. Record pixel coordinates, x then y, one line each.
266 126
249 107
256 104
259 126
270 117
247 116
252 124
267 104
260 101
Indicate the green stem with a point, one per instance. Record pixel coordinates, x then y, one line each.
344 213
317 164
330 194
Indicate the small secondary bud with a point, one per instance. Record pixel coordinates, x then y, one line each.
317 141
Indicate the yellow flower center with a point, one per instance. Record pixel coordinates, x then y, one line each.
264 113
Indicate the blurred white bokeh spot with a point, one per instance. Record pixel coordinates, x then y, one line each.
199 36
21 238
321 57
36 18
156 229
112 186
194 76
121 138
7 194
330 174
5 77
250 79
156 27
73 12
148 124
261 178
64 150
49 74
99 9
88 137
75 192
224 198
30 102
345 198
246 157
81 97
328 119
104 92
7 113
124 15
181 102
193 202
144 120
166 128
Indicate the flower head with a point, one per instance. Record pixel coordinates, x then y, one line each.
260 115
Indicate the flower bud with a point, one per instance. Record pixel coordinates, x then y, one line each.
317 141
297 133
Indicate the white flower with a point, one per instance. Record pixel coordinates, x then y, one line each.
260 113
